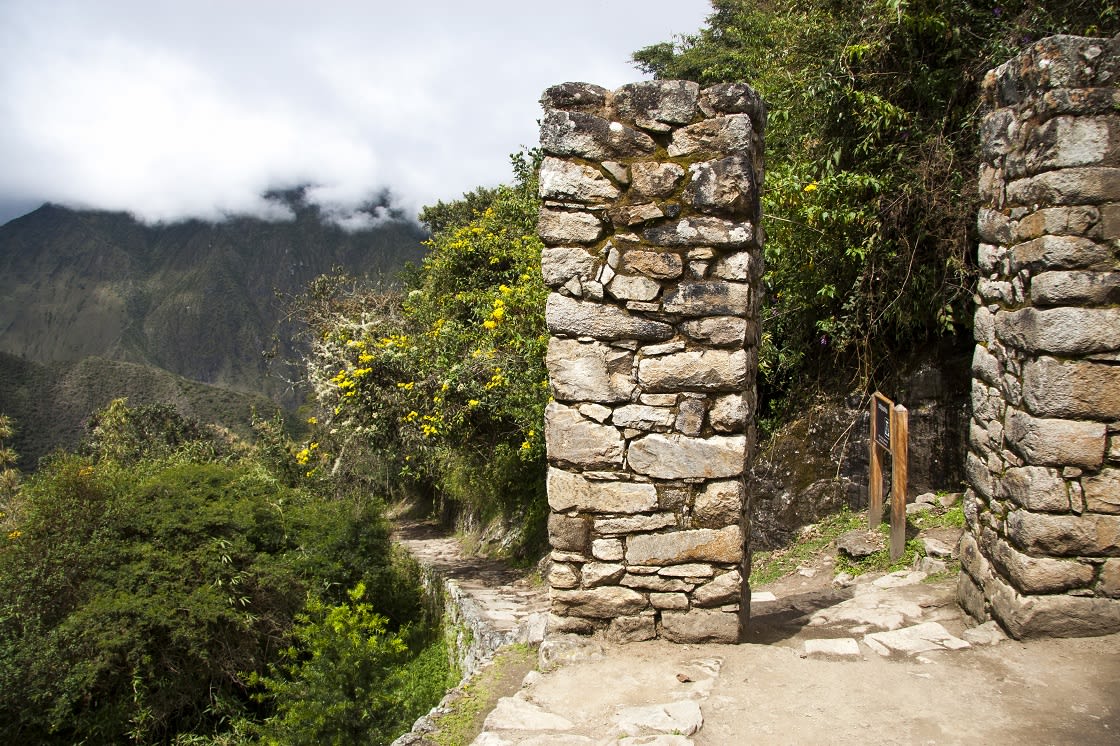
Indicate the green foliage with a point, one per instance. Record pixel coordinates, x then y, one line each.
142 586
768 566
348 679
445 380
870 189
9 474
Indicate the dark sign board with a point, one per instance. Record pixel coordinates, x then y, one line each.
883 422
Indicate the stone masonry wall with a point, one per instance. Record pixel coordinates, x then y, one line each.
653 254
1042 549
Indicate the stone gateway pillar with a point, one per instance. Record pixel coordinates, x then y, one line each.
1041 552
653 252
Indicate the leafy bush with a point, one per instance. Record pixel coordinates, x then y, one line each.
445 380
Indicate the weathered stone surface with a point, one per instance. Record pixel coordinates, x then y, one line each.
1035 488
628 629
832 648
728 414
1064 331
1053 615
1038 574
736 98
708 299
654 180
633 524
568 226
1074 390
697 545
630 215
605 602
914 640
1102 491
690 417
629 287
688 570
570 491
568 533
724 185
1109 581
1066 142
700 625
662 265
717 330
682 457
589 371
701 231
656 583
739 266
859 543
566 181
699 370
561 264
585 318
607 550
575 97
1075 288
669 101
728 134
682 718
596 412
668 600
595 574
994 226
1069 186
563 575
512 713
1085 535
1056 221
725 589
569 437
1061 252
719 504
1051 442
642 417
576 133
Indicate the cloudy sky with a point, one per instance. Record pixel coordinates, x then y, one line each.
194 108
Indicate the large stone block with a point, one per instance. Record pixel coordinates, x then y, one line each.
1061 331
1074 390
654 180
1056 221
701 231
577 133
571 438
700 625
664 101
729 413
1036 488
575 318
728 134
1102 491
565 181
722 186
709 299
1067 142
1061 252
563 263
1025 617
568 226
570 491
1087 535
1069 186
661 265
725 589
589 371
697 545
644 417
568 533
633 287
1109 581
606 602
1038 574
736 98
575 97
718 330
1061 288
719 504
634 524
1051 442
683 457
697 370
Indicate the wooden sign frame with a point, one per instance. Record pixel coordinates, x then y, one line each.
895 419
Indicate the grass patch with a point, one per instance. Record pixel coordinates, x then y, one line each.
768 566
462 724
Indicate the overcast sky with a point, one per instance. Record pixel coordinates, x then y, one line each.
194 108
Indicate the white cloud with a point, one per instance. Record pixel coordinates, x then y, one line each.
195 110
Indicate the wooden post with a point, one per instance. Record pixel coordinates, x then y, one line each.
881 416
900 437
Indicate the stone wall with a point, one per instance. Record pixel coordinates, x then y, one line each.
1042 550
653 254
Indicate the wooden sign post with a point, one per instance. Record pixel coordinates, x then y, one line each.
890 431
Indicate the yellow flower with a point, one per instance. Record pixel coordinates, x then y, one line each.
811 187
490 324
312 420
473 403
13 535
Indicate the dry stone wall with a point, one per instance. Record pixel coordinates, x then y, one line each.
1042 550
650 220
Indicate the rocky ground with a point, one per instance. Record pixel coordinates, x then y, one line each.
877 659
